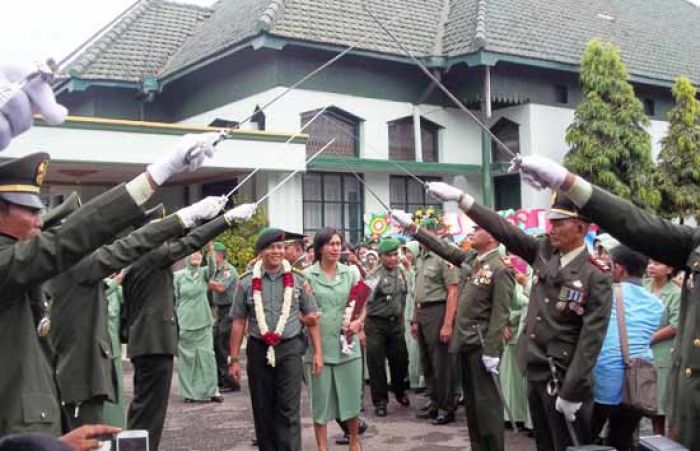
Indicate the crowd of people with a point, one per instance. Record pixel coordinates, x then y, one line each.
544 342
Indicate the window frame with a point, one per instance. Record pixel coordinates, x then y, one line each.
404 204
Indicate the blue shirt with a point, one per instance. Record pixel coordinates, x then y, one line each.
643 312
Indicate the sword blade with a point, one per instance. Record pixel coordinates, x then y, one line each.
371 191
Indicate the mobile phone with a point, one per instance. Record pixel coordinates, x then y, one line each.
134 440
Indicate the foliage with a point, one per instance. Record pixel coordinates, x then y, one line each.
678 170
609 145
240 239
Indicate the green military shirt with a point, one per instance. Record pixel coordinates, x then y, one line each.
485 303
433 275
227 275
670 295
389 297
191 303
272 297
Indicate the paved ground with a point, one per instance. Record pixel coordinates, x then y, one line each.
229 426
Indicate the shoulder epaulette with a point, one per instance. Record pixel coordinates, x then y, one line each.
299 272
598 263
245 274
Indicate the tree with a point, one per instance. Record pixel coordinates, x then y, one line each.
240 239
678 170
608 143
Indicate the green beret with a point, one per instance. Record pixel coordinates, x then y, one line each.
388 245
429 223
219 246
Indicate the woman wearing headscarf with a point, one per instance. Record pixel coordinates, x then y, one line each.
337 391
196 363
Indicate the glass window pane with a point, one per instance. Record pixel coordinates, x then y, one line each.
416 192
312 215
352 188
353 216
397 190
312 187
333 215
332 188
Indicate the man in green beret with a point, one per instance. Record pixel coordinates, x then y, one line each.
384 328
222 286
270 300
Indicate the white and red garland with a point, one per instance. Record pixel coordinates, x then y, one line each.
272 338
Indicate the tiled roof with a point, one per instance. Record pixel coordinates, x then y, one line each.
141 43
658 38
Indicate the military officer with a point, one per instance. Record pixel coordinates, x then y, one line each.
149 305
483 312
294 252
384 328
222 286
437 288
570 306
271 299
675 245
28 257
79 330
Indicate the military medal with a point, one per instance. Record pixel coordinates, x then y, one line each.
44 327
561 306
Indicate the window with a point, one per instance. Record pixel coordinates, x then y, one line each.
509 134
561 94
333 200
333 123
407 194
401 143
649 107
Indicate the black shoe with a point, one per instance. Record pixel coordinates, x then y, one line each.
229 388
459 401
189 400
217 398
362 427
427 406
403 399
380 411
444 418
342 440
427 415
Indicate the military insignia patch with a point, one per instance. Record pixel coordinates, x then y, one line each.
41 172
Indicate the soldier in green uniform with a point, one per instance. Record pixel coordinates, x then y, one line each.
28 399
384 328
567 319
437 288
482 315
222 286
271 299
151 322
294 252
675 245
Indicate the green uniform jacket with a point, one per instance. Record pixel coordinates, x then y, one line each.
331 298
149 303
389 297
79 331
227 275
28 401
433 275
554 329
670 295
677 246
191 303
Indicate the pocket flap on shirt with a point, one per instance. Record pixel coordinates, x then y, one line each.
39 408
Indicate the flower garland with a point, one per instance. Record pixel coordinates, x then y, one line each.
272 338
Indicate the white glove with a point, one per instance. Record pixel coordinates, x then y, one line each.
187 155
35 97
243 211
402 218
206 208
567 408
490 363
444 192
539 172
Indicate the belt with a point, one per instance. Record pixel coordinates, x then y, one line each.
284 340
384 318
430 304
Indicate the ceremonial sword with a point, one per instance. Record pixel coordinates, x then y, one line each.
497 383
371 191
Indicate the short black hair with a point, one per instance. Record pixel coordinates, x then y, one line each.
322 238
635 263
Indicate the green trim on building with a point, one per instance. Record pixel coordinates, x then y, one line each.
160 128
373 165
81 84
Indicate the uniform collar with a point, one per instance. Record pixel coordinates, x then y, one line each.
487 255
567 258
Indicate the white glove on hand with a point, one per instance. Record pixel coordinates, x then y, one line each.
188 155
444 192
243 211
35 97
491 363
402 218
206 208
539 172
567 408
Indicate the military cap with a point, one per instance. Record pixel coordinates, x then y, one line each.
21 180
219 246
271 235
388 245
429 223
58 213
564 208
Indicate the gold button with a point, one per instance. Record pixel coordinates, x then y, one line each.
696 342
688 372
565 353
532 336
43 415
539 318
546 300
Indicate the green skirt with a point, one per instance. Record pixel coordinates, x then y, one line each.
336 392
115 413
662 391
196 364
514 385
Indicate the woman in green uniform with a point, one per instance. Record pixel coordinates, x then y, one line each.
115 413
660 283
337 391
196 363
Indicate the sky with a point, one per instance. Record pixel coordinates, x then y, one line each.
33 30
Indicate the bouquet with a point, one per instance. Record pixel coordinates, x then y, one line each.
357 299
